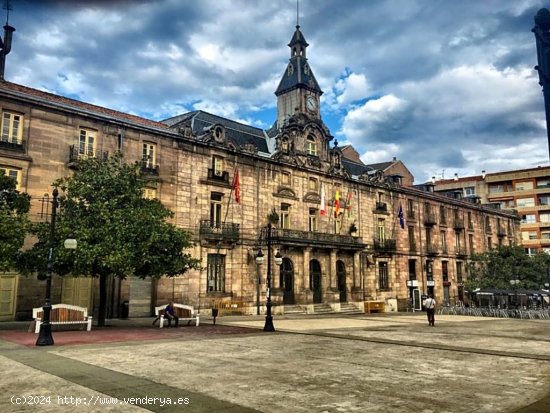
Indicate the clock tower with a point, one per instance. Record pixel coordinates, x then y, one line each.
298 90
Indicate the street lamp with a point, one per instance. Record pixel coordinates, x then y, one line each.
268 326
542 39
514 284
45 336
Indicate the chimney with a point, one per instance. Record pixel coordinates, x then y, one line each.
6 47
394 159
456 176
433 179
483 174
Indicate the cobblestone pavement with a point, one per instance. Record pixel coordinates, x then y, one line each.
365 363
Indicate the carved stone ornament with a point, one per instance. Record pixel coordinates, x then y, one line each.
312 197
285 192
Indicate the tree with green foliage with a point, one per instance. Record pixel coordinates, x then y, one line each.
495 269
119 232
14 223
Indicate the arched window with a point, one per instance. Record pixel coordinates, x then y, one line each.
311 146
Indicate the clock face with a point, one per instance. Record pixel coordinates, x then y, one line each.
311 103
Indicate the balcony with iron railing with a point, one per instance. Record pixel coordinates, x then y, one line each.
219 231
381 207
149 168
488 228
385 245
429 219
411 215
19 145
216 175
460 252
296 237
75 155
501 231
431 249
458 224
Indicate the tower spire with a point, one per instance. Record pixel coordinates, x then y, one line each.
297 13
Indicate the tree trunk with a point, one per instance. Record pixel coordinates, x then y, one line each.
102 300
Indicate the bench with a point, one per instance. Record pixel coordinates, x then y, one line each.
63 314
374 307
229 307
182 311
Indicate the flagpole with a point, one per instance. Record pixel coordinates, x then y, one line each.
230 193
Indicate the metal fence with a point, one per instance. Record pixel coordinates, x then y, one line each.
526 313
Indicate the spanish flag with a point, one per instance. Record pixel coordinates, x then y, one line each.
336 203
323 207
237 187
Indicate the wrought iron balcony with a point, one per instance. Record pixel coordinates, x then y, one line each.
319 239
13 145
429 219
149 168
443 220
381 207
431 249
461 252
219 231
410 215
384 244
501 232
458 224
75 155
218 176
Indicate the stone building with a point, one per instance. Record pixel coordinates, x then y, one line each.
347 232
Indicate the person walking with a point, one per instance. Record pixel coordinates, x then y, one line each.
429 304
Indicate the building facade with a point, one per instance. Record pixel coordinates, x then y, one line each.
525 190
347 232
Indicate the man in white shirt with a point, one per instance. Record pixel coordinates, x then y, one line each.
429 304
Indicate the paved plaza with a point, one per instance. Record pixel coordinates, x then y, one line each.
362 363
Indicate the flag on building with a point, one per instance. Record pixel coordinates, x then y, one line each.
336 203
323 207
401 217
348 204
237 187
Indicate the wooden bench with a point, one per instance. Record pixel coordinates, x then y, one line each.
374 307
182 311
63 314
230 307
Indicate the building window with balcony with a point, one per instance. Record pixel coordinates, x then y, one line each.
543 183
12 130
383 282
442 215
445 271
469 191
428 237
313 185
149 155
312 219
285 178
544 200
429 270
311 146
217 166
496 188
471 243
381 230
216 273
525 202
459 274
14 174
528 235
524 186
86 143
410 209
443 237
285 216
545 235
412 241
545 217
216 203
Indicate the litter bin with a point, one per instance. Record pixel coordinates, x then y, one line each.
124 309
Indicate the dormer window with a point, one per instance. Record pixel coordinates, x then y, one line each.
337 160
284 144
313 185
306 69
285 178
311 146
290 69
217 165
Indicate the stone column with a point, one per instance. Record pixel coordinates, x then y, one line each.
305 275
356 269
332 271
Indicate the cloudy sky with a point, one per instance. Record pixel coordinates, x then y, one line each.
446 86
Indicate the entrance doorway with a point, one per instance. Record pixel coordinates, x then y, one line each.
315 281
287 281
341 277
417 301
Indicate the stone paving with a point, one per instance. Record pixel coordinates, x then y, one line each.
365 363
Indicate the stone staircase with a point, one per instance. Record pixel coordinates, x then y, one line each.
294 309
322 309
348 308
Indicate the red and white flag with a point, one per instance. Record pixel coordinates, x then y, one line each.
323 207
237 187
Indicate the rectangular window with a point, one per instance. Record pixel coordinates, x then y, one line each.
11 128
543 183
442 215
311 146
528 235
285 216
545 235
471 243
496 188
531 251
383 283
86 143
445 270
443 237
523 186
412 242
312 219
313 185
217 166
149 155
469 191
428 237
381 229
470 222
545 217
412 269
525 202
489 243
14 174
285 178
459 274
429 270
458 243
215 209
530 218
410 209
216 273
544 200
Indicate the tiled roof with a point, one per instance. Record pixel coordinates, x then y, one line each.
7 87
298 77
382 166
464 179
354 168
239 132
